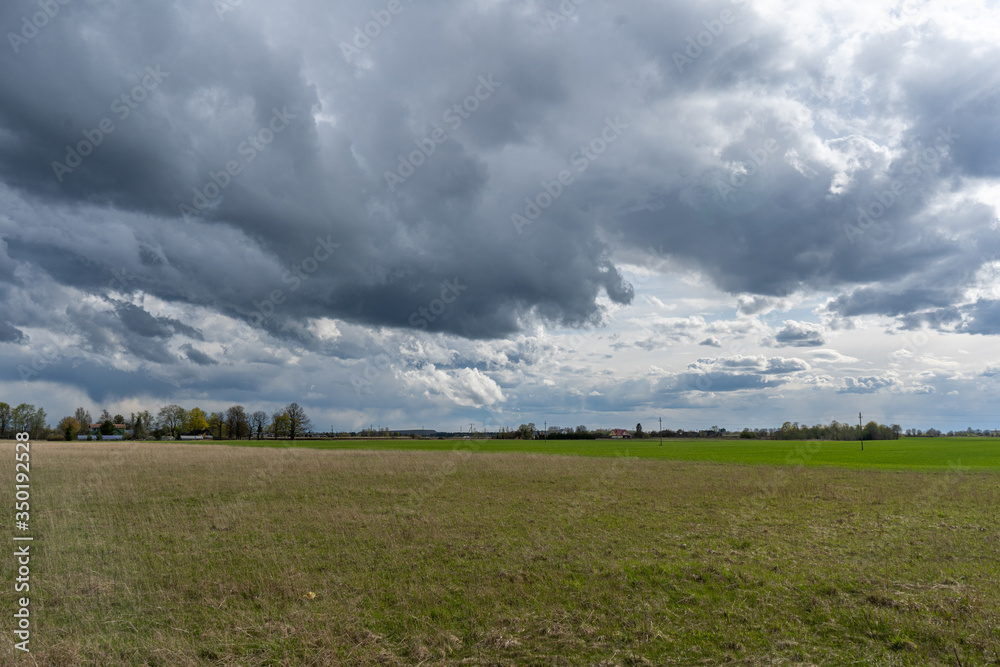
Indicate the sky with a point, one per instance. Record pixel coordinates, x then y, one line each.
430 214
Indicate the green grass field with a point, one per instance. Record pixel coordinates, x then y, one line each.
903 454
178 554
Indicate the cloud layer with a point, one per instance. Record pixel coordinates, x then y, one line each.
193 192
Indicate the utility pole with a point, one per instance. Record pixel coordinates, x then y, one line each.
661 431
545 437
861 432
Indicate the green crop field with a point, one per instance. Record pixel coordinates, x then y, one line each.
903 454
177 554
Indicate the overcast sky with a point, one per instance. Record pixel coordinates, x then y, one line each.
430 214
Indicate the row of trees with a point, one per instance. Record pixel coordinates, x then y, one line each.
934 433
788 431
837 431
23 418
528 432
169 422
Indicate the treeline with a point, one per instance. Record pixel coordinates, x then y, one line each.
788 431
170 422
832 431
794 431
969 432
529 432
25 418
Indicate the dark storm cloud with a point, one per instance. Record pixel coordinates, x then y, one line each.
983 318
868 301
141 322
216 121
241 165
197 356
94 327
102 384
10 334
149 349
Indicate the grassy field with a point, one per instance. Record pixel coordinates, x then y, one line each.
904 454
175 554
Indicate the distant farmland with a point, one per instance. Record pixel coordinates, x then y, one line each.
903 454
182 554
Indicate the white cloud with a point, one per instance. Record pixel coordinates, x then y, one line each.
466 387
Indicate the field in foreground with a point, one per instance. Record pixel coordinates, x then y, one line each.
172 554
904 454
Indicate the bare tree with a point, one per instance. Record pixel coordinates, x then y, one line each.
258 420
298 422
